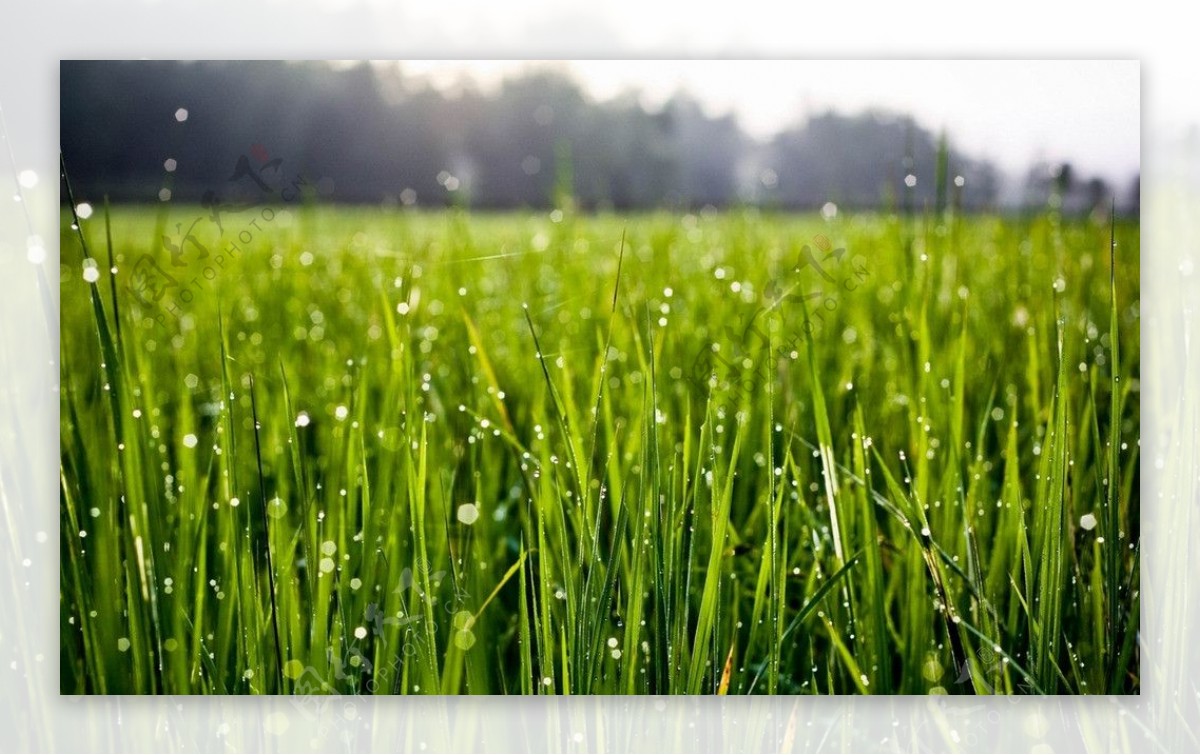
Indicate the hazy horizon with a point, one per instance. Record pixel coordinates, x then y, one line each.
1014 113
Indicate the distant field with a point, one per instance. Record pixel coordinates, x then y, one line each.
365 451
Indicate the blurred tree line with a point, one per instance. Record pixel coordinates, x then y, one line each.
377 135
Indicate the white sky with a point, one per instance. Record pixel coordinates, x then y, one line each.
1012 112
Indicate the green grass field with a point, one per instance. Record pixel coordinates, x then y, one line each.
447 452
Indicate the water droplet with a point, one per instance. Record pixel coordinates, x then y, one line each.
276 508
464 639
190 440
464 620
468 513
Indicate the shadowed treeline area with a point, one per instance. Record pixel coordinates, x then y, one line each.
538 140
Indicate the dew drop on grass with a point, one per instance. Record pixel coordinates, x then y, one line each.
464 639
326 565
360 633
468 513
302 419
328 547
91 273
276 508
355 583
1088 522
464 620
341 413
190 440
123 644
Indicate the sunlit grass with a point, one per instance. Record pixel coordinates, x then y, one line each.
402 452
